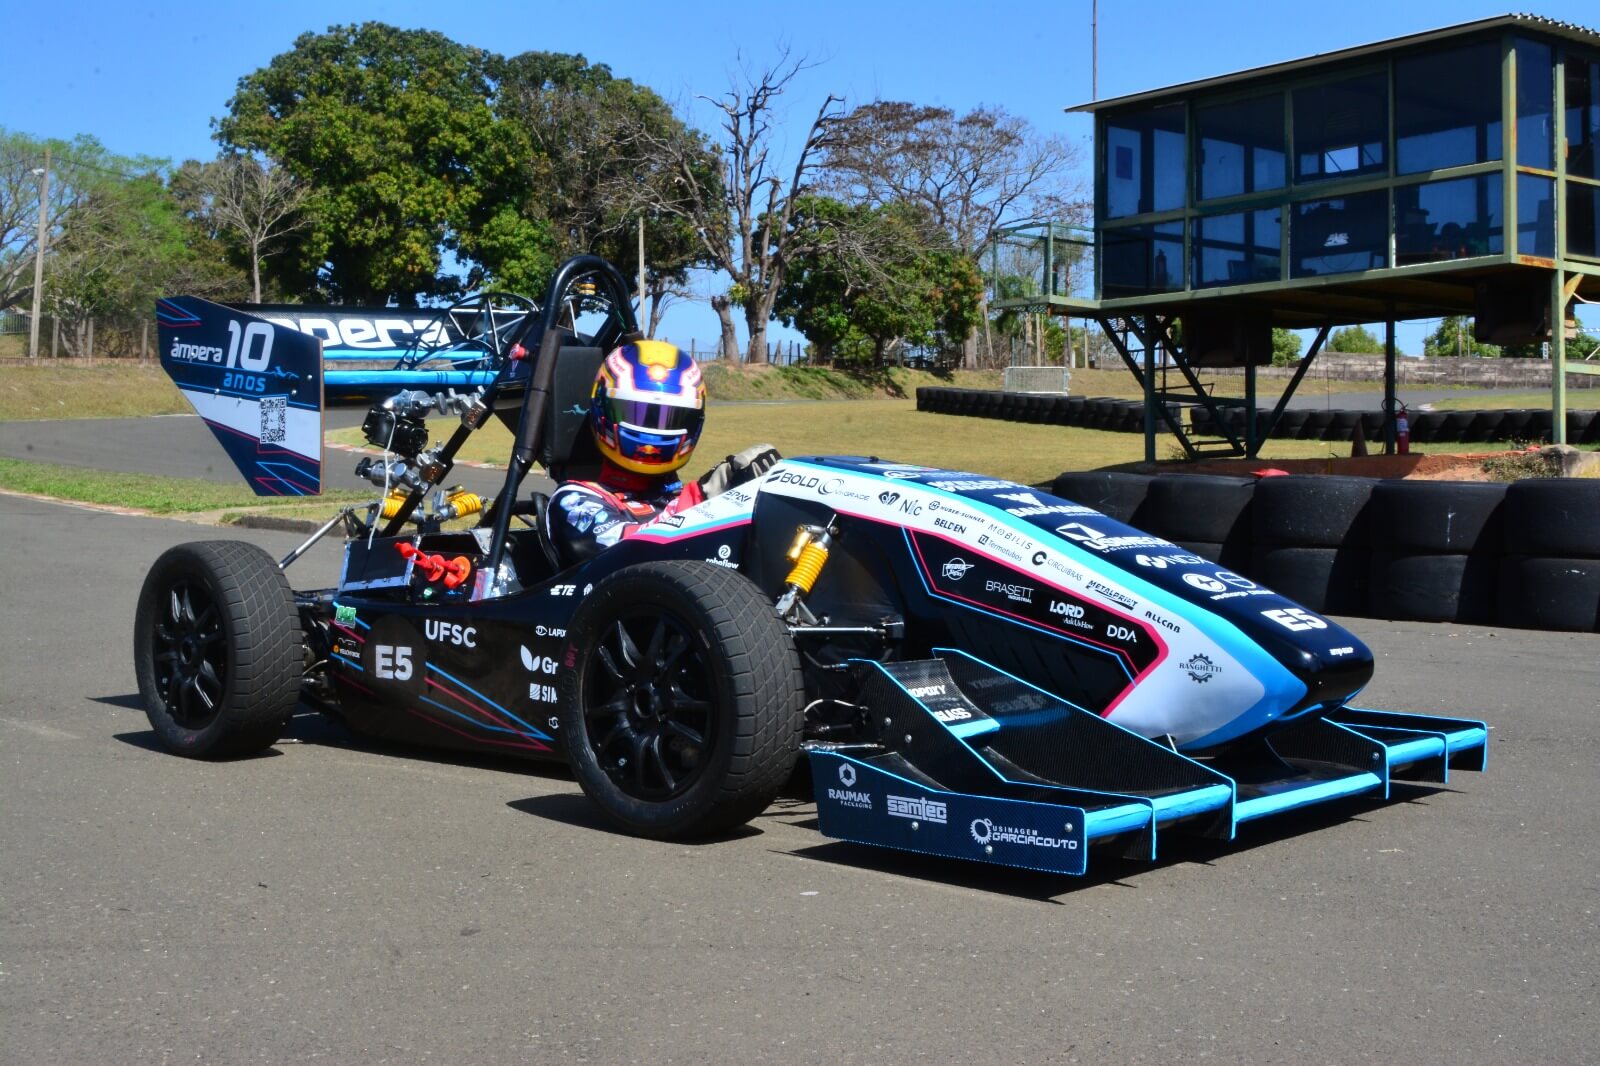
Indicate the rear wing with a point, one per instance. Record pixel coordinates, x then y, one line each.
257 385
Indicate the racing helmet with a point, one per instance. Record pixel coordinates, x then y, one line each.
648 407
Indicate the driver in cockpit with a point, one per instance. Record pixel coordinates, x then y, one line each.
646 413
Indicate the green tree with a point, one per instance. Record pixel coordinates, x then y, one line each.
1454 337
867 281
1356 340
122 246
590 171
1285 347
395 133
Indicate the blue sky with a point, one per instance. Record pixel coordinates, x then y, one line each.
147 78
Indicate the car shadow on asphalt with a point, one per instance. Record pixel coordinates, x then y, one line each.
576 809
1106 866
310 726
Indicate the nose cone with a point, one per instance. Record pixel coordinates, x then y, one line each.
1332 663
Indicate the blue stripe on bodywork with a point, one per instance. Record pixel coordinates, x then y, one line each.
1281 688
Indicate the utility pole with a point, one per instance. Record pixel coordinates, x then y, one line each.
1094 49
641 264
38 255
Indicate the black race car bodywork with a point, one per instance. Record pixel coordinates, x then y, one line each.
973 668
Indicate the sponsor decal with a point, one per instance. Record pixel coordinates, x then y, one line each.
951 714
343 613
1117 597
836 487
847 796
1032 505
888 498
923 691
988 833
956 569
672 521
539 691
1027 701
194 353
918 807
549 631
999 547
1204 582
723 558
450 633
740 496
537 664
789 477
1346 650
954 527
563 590
1072 573
362 333
1017 593
1069 613
1200 668
1095 540
1163 622
1296 619
973 485
1161 562
1122 634
1038 557
904 473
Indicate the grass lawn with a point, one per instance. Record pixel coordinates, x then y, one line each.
70 389
147 492
1577 399
895 429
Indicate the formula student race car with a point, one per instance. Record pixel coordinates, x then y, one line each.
972 667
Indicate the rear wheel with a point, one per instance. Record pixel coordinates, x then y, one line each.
682 700
217 649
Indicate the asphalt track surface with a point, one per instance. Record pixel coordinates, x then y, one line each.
342 901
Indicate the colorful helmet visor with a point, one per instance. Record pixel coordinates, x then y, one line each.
652 417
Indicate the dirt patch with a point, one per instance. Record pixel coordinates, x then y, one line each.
1433 467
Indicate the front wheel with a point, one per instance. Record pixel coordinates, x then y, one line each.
682 701
217 648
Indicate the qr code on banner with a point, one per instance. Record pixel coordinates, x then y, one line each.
274 419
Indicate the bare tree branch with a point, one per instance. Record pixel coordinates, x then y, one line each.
258 202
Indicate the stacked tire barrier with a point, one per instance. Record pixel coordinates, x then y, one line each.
1439 557
1127 416
1550 570
1312 540
1525 555
1206 515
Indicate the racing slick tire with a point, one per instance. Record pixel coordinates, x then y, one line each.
681 699
218 650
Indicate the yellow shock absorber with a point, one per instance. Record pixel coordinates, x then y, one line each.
808 566
463 503
392 503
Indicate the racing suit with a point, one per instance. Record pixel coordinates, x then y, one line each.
586 517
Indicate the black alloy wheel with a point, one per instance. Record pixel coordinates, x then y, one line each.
218 649
681 699
191 655
650 718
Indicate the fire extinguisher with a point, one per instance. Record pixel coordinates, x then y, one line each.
1402 432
